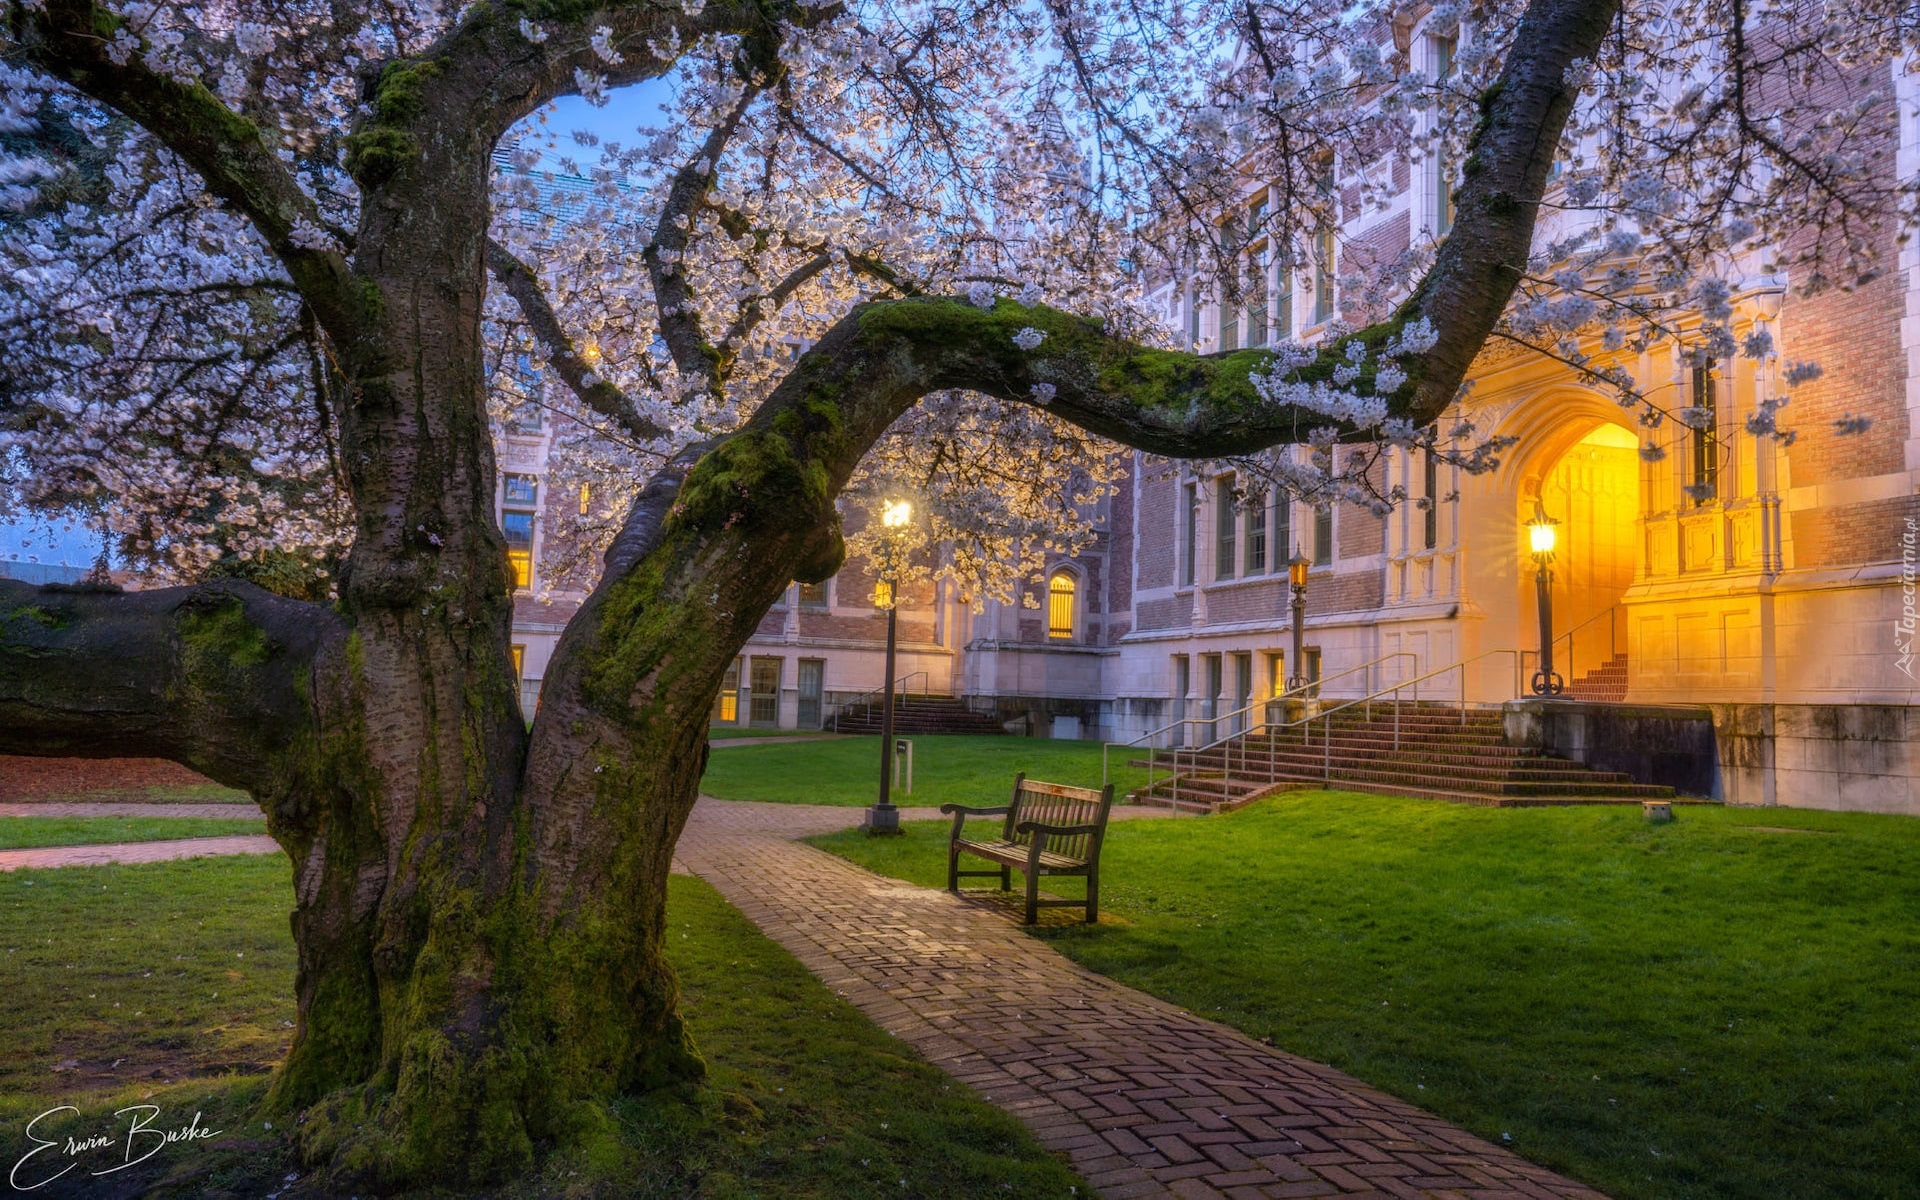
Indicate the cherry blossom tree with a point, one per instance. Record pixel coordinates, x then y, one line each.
268 292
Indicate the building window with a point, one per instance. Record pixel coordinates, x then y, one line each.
1257 273
813 595
1322 534
1430 490
1706 449
1283 305
583 499
519 662
1257 536
1229 326
1062 592
726 706
1323 276
1190 530
763 698
1443 49
519 501
1223 522
1193 318
1282 532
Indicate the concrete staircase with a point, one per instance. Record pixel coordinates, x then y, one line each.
917 714
1438 757
1607 684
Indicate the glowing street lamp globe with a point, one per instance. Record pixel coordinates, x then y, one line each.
1543 532
897 513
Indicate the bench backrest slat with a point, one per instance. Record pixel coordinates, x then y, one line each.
1058 804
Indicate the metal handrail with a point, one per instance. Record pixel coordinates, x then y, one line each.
1325 716
1612 612
1301 692
899 685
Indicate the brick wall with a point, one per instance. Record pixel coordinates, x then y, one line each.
1175 612
1853 335
1345 593
1849 534
1119 605
1158 517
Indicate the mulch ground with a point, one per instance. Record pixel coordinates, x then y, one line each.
27 780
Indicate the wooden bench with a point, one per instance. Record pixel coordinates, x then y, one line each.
1049 829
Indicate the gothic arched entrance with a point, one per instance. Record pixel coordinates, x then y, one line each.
1592 488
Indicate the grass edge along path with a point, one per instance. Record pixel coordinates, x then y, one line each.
948 768
34 833
1726 1006
805 1097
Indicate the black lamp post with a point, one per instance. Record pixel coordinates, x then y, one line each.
1297 568
884 817
1542 532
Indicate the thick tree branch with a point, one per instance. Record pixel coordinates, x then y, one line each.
665 255
596 393
70 39
1484 256
219 677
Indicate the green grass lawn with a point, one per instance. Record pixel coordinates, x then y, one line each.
1707 1008
171 984
947 768
25 833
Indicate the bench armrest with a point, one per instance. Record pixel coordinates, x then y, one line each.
975 812
1054 830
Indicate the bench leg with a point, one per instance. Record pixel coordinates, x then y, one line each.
1033 898
1093 899
953 866
1006 879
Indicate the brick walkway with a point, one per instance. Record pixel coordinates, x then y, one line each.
1144 1099
136 852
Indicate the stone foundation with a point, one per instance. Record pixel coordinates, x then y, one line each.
1667 744
1846 756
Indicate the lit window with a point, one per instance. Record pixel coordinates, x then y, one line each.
519 662
1060 600
583 499
1706 449
520 493
726 706
813 595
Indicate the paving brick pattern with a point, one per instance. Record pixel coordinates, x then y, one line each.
1144 1098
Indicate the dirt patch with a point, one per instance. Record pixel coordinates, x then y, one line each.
115 780
79 1064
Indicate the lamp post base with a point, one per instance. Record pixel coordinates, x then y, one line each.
882 820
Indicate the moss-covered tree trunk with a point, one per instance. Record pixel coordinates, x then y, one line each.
479 909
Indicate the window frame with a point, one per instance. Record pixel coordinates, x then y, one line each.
1226 530
1072 630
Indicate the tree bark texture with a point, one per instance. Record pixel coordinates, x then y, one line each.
480 908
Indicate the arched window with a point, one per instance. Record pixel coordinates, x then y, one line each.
1060 606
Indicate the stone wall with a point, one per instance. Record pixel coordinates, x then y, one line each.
1846 756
